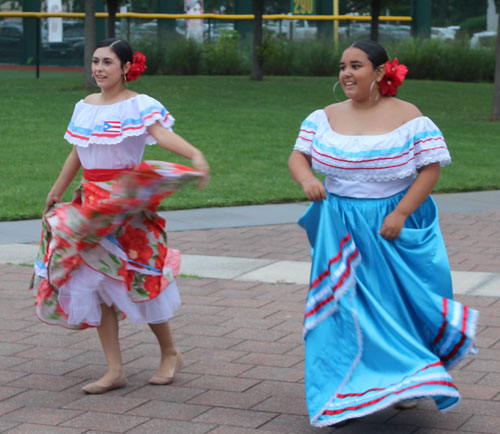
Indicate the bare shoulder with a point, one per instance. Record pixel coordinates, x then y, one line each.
93 98
335 109
130 94
406 110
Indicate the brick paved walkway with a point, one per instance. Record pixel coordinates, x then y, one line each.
472 240
243 350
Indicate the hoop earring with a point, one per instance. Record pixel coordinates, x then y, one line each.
334 91
371 90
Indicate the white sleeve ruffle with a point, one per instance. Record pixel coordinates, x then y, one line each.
308 130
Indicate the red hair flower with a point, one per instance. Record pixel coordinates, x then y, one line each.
393 77
138 66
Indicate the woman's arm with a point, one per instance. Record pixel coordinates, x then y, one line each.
170 141
68 172
416 194
299 165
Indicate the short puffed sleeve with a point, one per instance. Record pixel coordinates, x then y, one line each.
308 130
427 143
111 124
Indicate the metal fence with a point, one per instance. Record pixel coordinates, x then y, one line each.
35 49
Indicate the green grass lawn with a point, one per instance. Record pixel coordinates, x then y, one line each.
246 130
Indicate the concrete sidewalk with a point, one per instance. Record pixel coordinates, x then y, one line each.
239 329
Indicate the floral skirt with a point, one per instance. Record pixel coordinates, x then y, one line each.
380 323
109 246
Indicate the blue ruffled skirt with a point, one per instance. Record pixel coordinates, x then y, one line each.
380 323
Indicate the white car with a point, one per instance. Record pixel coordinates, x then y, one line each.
293 29
443 33
483 39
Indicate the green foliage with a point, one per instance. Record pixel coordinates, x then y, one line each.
317 58
277 55
154 52
225 56
453 12
470 26
184 57
429 59
433 60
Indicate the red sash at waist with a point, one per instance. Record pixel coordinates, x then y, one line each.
99 175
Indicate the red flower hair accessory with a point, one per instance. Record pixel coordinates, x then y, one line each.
138 66
393 77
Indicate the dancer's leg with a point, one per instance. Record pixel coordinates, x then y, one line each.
108 335
171 358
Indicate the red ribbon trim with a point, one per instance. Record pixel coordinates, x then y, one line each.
100 175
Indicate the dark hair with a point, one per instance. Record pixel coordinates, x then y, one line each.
375 52
120 48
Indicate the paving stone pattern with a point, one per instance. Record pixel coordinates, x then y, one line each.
244 358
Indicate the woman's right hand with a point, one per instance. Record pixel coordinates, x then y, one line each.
314 188
51 200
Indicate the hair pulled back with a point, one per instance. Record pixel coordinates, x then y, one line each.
375 52
121 48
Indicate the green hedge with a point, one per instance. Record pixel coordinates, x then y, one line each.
426 59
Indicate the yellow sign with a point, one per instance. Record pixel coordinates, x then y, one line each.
303 7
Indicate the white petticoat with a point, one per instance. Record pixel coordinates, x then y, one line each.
81 298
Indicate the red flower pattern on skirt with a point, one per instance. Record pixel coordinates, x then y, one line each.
71 262
152 284
128 275
156 227
72 234
162 254
136 244
44 291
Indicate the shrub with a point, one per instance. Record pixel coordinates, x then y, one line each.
225 57
471 25
433 60
154 52
277 55
429 59
317 58
184 57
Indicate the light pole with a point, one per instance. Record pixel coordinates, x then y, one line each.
336 24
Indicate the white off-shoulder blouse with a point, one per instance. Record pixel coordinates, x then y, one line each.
114 136
371 166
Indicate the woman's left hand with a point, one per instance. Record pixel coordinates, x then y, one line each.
392 225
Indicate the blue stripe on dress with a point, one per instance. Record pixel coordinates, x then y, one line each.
376 152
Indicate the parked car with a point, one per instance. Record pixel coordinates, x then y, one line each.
483 39
443 33
54 50
387 32
11 40
292 29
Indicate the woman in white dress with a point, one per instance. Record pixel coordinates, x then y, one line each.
104 256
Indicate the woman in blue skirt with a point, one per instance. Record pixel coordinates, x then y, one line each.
380 326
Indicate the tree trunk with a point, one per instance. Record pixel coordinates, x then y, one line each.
258 10
90 43
495 113
112 6
375 15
